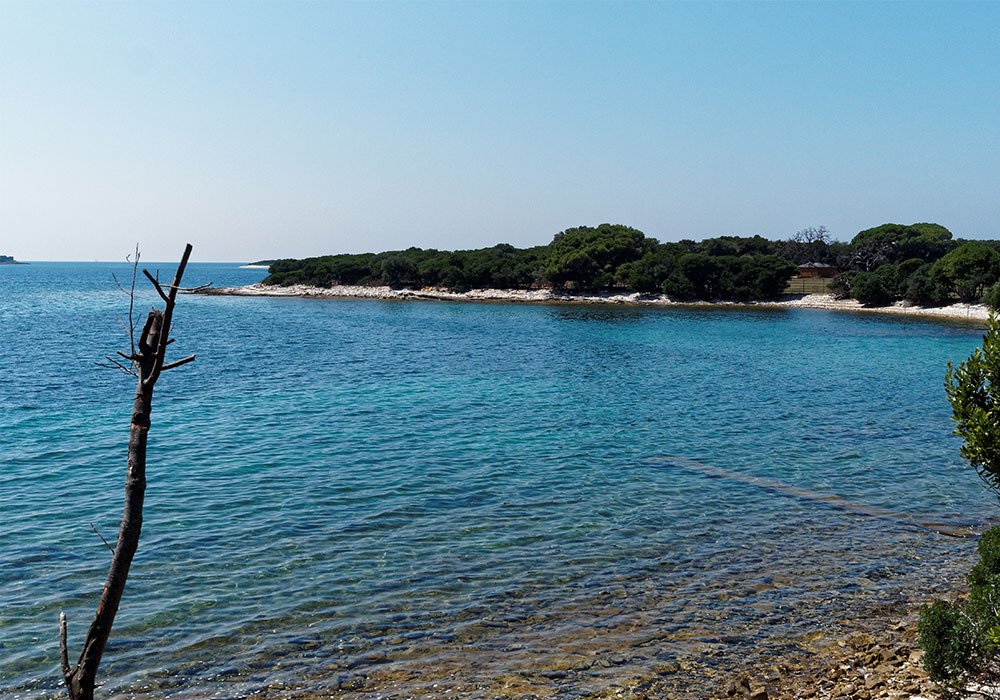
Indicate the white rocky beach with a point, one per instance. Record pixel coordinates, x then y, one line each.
969 312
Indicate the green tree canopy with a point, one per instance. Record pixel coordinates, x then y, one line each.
968 270
587 258
973 390
890 243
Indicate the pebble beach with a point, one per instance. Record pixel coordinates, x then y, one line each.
968 312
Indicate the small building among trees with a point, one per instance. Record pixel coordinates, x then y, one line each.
815 270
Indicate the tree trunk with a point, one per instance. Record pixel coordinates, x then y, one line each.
148 363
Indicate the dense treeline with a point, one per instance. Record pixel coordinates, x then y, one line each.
920 262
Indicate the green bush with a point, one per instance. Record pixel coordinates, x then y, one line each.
968 270
984 573
960 641
973 389
950 651
586 258
678 286
877 288
963 640
992 297
924 290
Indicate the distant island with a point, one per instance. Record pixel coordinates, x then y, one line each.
919 264
9 260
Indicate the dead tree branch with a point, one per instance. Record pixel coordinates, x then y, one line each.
98 533
147 357
112 363
156 284
131 297
178 363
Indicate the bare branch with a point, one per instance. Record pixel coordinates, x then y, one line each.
63 649
127 357
121 323
115 364
188 290
121 366
119 284
130 330
98 533
131 301
159 289
168 312
178 363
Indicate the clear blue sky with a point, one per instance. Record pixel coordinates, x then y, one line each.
290 129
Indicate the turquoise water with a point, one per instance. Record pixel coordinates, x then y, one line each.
421 497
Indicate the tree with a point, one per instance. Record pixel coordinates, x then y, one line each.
968 270
890 243
697 276
588 258
876 288
973 390
924 290
962 640
146 361
809 245
735 246
399 270
813 234
759 277
648 273
739 278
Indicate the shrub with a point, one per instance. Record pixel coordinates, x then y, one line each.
922 289
973 389
840 286
960 641
992 297
949 648
399 271
678 286
968 270
586 258
877 288
964 640
983 574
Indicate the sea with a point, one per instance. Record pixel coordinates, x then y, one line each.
401 499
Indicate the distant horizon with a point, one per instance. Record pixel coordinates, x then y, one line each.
195 259
833 238
297 129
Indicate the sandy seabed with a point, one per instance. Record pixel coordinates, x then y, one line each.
968 312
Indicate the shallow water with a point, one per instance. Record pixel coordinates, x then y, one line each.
421 497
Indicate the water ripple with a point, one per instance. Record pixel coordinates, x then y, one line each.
425 496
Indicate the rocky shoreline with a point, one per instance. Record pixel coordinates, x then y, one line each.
861 666
879 659
965 312
871 659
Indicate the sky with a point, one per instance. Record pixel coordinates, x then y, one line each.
289 129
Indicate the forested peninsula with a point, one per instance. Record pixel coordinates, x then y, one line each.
920 263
